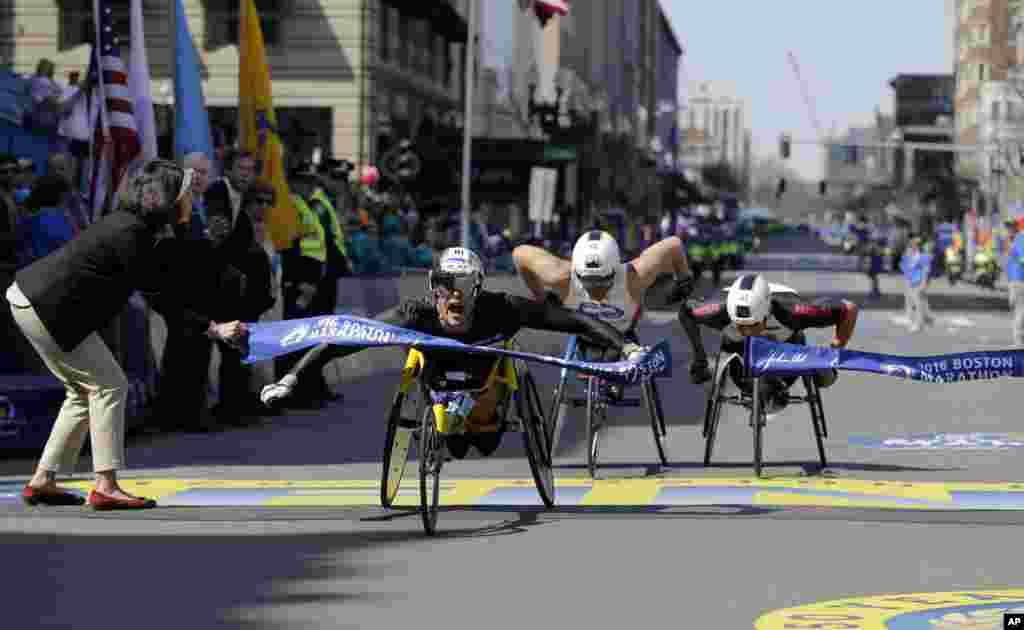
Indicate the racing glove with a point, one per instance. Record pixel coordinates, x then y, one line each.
699 371
633 352
276 392
682 288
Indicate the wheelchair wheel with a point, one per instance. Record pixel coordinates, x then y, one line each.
713 413
595 421
397 443
552 419
535 438
653 403
431 460
757 420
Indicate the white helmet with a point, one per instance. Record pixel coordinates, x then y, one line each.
595 260
750 300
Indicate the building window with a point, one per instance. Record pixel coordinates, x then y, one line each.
995 111
983 72
222 23
77 27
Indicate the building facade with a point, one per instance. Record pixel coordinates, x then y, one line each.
714 126
986 34
347 74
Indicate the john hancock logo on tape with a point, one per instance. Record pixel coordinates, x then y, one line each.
781 357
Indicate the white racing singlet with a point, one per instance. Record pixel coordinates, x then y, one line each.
774 329
618 309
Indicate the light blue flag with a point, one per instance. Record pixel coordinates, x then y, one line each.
191 123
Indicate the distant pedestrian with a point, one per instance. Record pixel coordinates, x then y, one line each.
1015 278
916 268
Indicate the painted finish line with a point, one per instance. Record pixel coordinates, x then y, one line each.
650 493
977 610
942 442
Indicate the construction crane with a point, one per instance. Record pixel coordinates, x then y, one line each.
808 101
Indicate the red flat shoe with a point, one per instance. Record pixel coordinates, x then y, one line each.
35 496
100 501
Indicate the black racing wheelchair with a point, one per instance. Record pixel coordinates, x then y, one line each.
730 369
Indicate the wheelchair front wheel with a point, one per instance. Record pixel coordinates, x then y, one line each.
535 439
431 460
653 403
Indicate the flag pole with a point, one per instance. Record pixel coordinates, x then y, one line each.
173 124
467 131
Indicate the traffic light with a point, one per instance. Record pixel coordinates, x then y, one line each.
781 190
822 188
784 146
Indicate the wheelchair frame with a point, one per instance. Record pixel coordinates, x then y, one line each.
430 422
597 409
758 417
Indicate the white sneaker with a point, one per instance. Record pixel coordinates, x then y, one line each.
278 391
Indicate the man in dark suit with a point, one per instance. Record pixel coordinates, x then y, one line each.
234 239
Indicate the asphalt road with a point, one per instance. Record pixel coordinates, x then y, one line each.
716 565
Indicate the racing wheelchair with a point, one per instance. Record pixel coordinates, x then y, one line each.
749 396
597 399
422 391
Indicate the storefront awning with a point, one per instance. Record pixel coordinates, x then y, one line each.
445 19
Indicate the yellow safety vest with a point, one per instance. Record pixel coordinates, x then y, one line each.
312 243
339 234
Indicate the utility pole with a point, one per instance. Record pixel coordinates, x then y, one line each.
467 133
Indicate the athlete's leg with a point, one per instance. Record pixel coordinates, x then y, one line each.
542 271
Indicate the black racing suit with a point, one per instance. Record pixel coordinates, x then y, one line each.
495 316
790 316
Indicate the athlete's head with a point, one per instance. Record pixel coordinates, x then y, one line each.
749 304
595 261
455 282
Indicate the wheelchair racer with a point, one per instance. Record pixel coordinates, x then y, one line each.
458 308
755 308
596 281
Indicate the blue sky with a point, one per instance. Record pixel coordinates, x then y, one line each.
847 53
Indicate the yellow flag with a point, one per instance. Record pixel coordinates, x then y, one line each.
257 126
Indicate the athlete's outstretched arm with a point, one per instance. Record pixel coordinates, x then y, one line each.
319 355
665 256
542 270
554 317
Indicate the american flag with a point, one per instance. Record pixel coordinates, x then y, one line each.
116 142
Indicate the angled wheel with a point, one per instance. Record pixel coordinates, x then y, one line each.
817 419
595 420
535 438
397 443
714 406
757 420
431 460
653 403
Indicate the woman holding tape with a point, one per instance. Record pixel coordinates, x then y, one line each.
60 302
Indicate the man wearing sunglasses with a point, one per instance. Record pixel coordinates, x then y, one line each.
457 307
756 308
